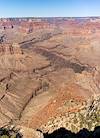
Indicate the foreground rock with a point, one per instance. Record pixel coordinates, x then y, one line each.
81 124
87 117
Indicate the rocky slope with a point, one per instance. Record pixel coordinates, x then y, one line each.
88 116
82 123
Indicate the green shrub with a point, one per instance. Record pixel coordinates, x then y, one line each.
4 136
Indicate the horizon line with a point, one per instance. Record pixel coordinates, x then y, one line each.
50 17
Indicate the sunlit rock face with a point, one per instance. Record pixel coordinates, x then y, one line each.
8 48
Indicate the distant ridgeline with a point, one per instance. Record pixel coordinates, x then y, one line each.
29 24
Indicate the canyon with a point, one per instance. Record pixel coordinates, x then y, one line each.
49 70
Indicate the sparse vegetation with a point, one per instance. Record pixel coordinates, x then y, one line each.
85 118
9 133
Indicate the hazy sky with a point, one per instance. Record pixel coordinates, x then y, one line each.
49 8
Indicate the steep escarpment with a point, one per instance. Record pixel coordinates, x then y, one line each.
10 49
17 86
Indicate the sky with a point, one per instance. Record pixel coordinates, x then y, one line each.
49 8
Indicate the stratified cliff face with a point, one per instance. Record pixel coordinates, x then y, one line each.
17 86
10 49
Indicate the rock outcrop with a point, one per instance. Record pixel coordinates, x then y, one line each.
87 117
6 49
